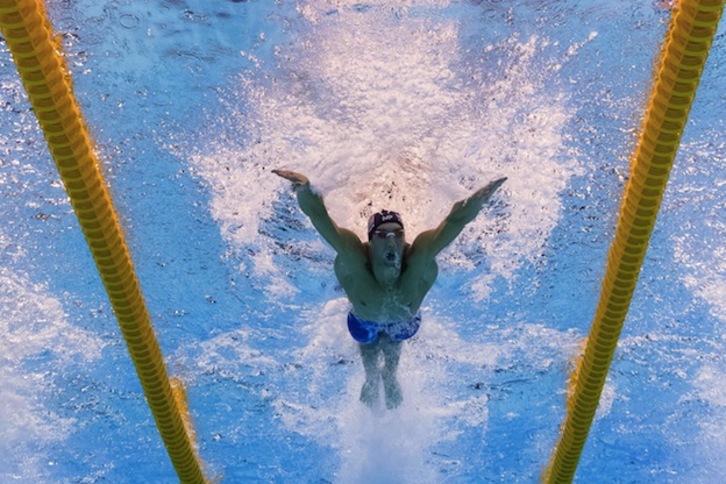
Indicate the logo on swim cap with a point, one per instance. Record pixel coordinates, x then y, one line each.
383 217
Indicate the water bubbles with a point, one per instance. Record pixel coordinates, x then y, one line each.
129 21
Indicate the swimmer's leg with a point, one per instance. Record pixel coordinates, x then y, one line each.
369 355
392 353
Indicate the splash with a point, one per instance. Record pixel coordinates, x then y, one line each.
699 246
695 199
383 108
375 444
36 341
711 443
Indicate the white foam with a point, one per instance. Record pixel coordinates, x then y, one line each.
377 445
695 203
700 245
315 389
33 326
379 110
437 373
705 259
710 385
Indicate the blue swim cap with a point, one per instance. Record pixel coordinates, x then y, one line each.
383 217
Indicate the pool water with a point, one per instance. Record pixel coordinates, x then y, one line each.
408 105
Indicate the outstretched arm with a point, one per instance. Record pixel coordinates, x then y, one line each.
312 205
463 212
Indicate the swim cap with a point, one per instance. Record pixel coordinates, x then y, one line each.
383 217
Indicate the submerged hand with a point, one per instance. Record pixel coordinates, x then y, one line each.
483 194
465 211
297 179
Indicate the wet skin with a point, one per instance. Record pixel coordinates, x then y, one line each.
386 279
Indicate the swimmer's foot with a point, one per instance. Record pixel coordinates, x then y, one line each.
393 393
369 392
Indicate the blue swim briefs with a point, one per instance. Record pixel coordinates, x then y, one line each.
366 332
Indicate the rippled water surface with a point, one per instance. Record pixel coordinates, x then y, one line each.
406 105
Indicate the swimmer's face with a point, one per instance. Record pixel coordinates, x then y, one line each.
387 244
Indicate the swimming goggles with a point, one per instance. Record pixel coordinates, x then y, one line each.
384 234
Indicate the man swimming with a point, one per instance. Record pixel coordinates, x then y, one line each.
385 278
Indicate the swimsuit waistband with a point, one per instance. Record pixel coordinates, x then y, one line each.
366 332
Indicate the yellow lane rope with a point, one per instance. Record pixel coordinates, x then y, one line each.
29 36
684 54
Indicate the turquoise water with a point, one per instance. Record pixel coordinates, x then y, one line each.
406 105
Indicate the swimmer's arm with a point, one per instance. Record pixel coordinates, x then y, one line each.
312 205
463 212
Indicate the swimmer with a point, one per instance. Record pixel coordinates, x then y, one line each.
386 278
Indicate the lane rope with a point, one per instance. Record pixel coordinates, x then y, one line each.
683 57
37 55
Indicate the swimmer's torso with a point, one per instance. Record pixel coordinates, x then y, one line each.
374 302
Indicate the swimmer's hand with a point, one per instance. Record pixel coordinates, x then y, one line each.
485 193
312 205
297 179
465 211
